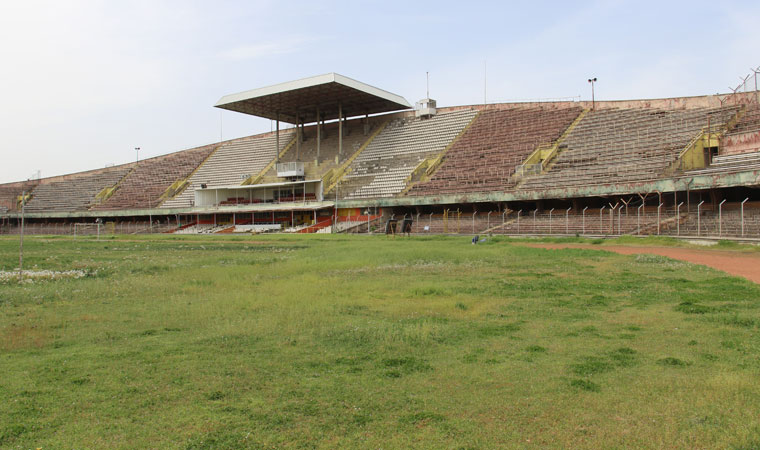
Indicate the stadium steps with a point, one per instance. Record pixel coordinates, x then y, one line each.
625 145
145 183
76 192
332 178
383 167
232 163
486 155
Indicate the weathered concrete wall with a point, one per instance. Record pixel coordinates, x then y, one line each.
741 143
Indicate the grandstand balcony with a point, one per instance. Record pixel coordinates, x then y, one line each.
257 196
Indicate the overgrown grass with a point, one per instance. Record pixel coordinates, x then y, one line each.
373 342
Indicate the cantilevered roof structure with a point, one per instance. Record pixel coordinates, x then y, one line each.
333 95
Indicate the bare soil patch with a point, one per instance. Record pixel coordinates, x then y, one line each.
745 265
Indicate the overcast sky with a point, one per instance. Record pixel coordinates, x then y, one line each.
83 83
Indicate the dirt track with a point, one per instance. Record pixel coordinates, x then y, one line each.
745 265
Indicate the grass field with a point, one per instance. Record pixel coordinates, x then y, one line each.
371 342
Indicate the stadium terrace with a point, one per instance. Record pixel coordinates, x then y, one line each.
355 158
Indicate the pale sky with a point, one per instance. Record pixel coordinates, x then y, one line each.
85 82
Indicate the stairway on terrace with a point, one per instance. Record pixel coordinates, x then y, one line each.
231 164
485 156
381 170
353 138
143 186
10 192
75 192
625 145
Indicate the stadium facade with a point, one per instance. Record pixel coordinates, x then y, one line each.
354 157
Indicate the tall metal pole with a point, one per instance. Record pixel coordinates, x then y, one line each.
21 239
593 100
340 133
137 154
319 134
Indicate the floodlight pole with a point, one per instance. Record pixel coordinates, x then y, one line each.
593 101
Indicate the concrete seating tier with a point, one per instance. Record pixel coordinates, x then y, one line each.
730 163
629 145
486 155
383 167
232 163
353 138
143 186
75 192
748 122
10 192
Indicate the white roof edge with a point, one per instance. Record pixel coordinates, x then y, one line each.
308 82
254 186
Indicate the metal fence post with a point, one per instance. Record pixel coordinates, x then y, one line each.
699 219
518 221
488 223
678 219
658 218
550 220
567 220
473 221
745 201
430 223
720 218
601 220
638 219
534 219
584 221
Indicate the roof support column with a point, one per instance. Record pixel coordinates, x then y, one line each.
319 135
277 141
298 138
366 124
340 133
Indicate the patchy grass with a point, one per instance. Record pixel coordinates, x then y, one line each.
219 342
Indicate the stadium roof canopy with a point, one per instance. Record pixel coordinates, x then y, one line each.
298 101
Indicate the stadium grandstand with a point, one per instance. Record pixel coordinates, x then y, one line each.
356 158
